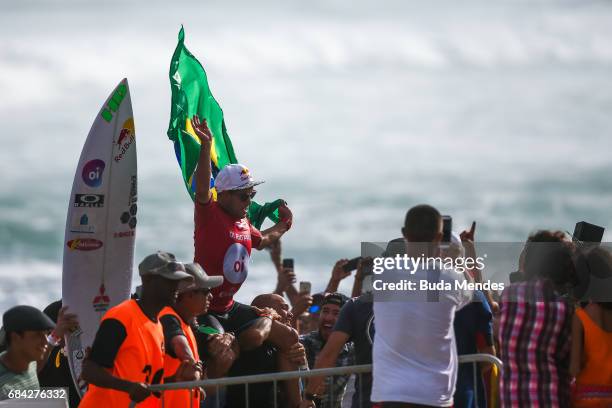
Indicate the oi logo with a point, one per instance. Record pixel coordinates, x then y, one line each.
236 263
92 172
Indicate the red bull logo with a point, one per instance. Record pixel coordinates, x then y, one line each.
125 133
125 140
244 174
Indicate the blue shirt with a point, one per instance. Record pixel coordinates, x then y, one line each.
475 318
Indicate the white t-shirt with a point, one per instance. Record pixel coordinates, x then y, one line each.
414 354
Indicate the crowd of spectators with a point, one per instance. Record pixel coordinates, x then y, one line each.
556 349
183 324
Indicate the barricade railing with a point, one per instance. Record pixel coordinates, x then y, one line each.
475 359
359 370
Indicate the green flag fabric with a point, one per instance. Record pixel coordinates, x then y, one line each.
191 96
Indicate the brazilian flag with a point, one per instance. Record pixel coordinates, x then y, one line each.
191 96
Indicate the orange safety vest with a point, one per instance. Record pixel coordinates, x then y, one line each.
597 349
139 359
179 398
593 388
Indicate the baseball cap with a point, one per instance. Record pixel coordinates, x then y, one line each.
334 299
234 177
165 265
201 279
22 318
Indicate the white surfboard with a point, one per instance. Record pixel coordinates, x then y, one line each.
101 224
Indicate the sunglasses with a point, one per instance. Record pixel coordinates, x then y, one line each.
243 196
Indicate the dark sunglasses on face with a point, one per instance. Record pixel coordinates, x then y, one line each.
243 196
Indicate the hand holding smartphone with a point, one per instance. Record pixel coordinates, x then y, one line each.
305 288
351 265
288 270
447 228
288 263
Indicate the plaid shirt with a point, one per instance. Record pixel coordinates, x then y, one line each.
313 343
535 345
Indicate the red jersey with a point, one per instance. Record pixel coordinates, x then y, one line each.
223 247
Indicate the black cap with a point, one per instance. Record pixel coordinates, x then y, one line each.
22 318
335 299
317 298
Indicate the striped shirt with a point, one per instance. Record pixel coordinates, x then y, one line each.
11 381
535 343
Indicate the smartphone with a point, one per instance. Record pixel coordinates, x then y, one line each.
586 232
447 228
351 265
288 263
367 264
305 287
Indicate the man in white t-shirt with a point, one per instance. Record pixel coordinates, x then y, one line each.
414 354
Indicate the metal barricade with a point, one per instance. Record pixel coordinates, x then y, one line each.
217 383
475 359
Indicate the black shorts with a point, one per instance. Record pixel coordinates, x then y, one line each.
237 319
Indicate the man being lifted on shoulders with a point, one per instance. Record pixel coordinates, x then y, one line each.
224 236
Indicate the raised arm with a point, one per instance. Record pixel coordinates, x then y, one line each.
338 273
203 171
359 275
468 241
285 277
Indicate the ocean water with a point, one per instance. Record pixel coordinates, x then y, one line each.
352 111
